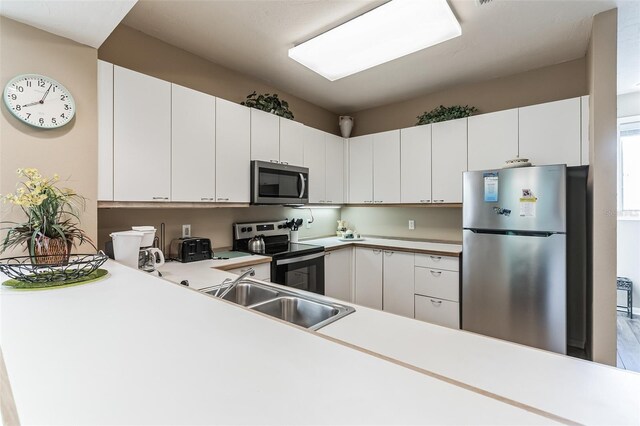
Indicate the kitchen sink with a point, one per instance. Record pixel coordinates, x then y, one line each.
305 310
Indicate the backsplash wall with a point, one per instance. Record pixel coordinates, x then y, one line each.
212 223
442 223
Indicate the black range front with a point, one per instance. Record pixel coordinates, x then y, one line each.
296 265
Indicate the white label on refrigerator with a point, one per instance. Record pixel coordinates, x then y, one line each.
528 203
490 187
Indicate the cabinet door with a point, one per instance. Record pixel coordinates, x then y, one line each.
386 167
141 137
193 145
233 152
334 167
415 158
398 283
550 133
361 169
449 160
438 311
315 160
369 277
265 136
105 130
337 274
493 139
291 142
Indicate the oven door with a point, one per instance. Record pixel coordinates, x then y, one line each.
273 183
302 272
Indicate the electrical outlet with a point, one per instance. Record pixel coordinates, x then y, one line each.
186 231
307 224
412 224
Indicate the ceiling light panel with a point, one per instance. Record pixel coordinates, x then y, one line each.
393 30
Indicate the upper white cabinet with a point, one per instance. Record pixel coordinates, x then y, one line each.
265 136
415 160
368 285
386 167
315 159
361 169
337 274
492 139
334 165
193 145
550 133
449 160
141 137
291 142
105 130
233 152
398 283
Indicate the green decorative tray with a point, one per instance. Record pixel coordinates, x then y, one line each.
26 285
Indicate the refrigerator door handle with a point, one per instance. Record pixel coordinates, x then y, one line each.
519 233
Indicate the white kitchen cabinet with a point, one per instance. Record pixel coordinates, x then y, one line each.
415 161
550 133
193 145
262 271
337 274
386 167
437 283
492 139
291 142
141 137
361 170
265 136
233 152
368 284
437 311
448 263
315 159
398 283
584 129
334 169
105 131
449 160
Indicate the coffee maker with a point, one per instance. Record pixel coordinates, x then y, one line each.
149 258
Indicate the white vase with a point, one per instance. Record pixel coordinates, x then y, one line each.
346 125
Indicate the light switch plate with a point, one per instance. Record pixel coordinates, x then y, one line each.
186 231
412 224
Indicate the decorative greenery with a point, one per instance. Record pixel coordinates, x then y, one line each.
443 113
51 213
269 103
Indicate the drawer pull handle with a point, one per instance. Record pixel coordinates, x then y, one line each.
436 258
388 253
160 198
435 273
376 251
436 302
223 199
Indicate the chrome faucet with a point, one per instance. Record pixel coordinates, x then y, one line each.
233 283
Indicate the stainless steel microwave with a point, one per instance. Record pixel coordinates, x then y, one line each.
277 183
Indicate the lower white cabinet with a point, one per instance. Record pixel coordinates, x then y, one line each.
337 274
368 277
437 311
263 271
398 283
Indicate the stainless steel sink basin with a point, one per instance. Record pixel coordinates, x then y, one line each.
296 310
247 293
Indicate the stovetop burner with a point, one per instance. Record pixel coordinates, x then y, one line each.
276 239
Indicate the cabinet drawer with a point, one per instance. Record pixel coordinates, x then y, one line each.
263 271
437 311
438 262
437 283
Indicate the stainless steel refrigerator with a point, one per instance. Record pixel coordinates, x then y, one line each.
514 273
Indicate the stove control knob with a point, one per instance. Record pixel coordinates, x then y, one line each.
243 229
280 226
249 229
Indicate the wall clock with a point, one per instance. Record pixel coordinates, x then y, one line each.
39 101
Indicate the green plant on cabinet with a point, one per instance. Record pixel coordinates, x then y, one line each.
269 103
443 113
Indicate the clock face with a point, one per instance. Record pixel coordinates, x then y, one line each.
39 101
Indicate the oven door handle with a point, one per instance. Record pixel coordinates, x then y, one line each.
304 185
299 259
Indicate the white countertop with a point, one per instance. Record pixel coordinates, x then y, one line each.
330 242
135 349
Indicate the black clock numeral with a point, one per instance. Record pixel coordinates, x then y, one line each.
62 115
28 115
66 107
40 83
62 97
53 120
13 96
18 107
20 89
41 121
53 89
28 83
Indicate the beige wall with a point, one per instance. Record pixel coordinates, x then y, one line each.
562 81
601 65
212 223
135 50
432 223
70 151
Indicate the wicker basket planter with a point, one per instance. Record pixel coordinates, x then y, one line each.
51 251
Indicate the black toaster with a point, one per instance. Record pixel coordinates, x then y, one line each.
191 249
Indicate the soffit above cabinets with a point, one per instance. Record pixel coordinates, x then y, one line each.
87 22
498 39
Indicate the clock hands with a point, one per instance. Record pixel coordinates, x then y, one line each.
32 104
46 93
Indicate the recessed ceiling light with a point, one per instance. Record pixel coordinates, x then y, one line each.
395 29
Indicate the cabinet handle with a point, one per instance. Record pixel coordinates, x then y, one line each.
160 198
207 199
388 253
436 258
328 201
438 201
223 199
378 202
425 201
435 273
376 251
274 161
322 201
327 253
436 302
284 162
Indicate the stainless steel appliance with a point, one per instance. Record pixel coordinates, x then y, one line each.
277 183
293 264
516 233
